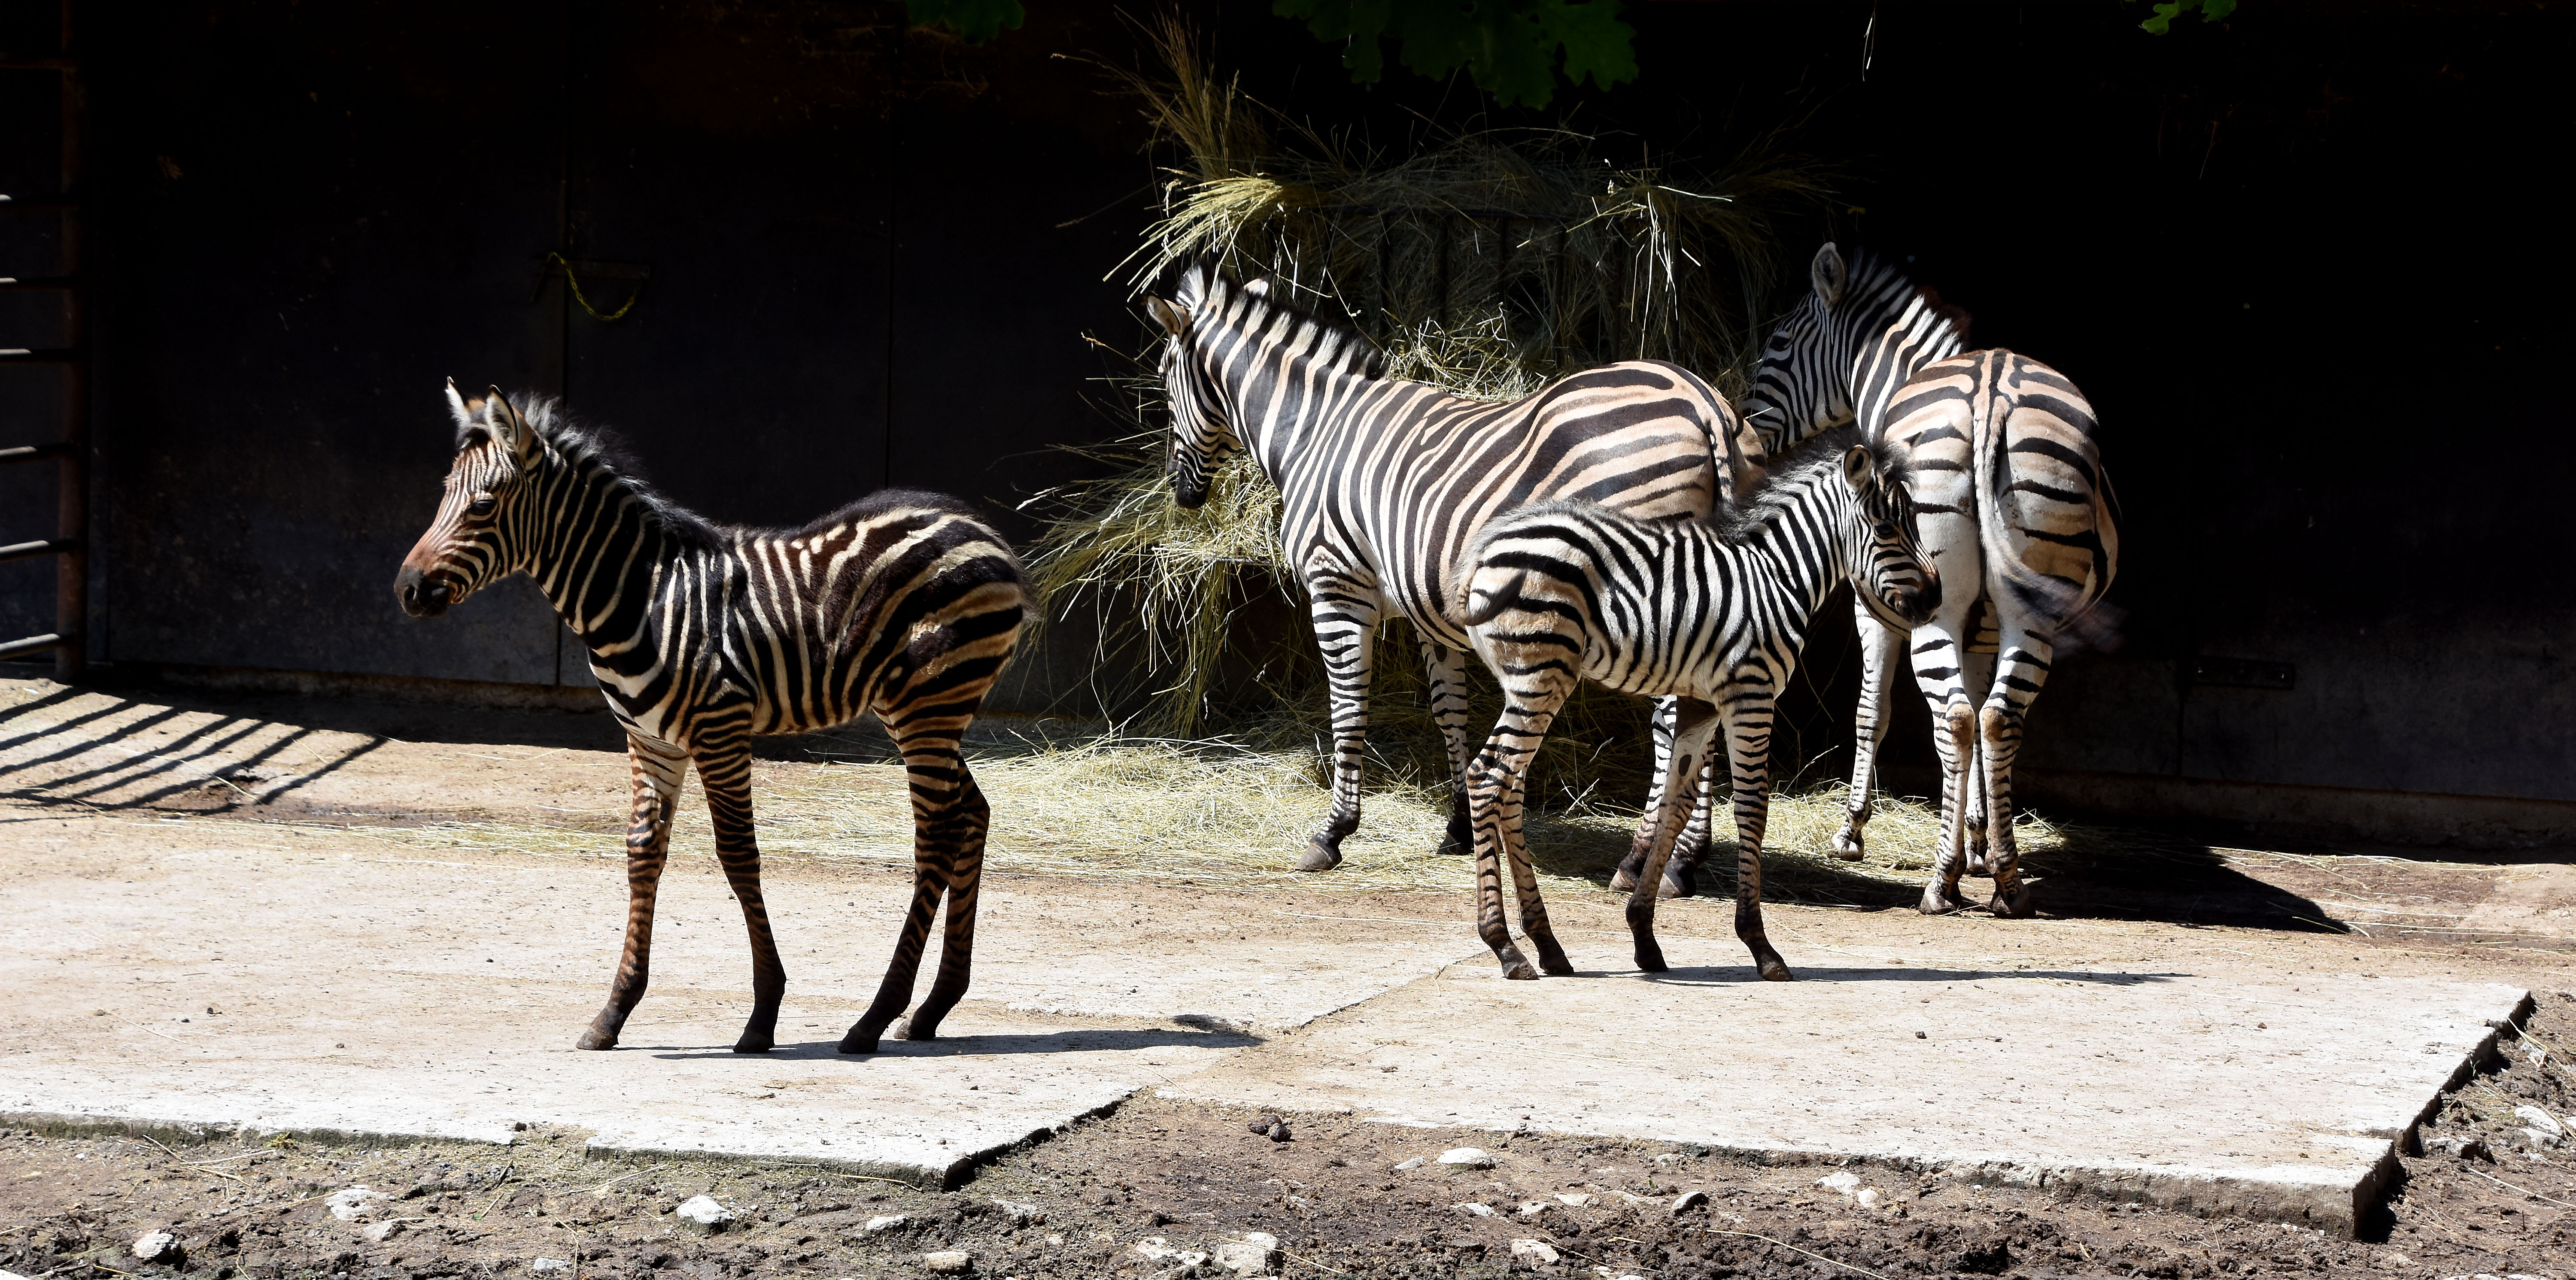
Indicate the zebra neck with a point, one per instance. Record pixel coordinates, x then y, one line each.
1802 551
1274 396
1917 332
595 546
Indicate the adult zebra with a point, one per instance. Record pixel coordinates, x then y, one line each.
1711 613
2017 511
1382 482
703 636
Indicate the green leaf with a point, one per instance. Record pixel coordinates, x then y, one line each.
1511 47
977 20
2210 11
2216 10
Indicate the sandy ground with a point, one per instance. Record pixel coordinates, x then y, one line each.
264 858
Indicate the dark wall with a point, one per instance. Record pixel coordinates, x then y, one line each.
2303 263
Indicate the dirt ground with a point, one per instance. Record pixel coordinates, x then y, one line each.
1141 1190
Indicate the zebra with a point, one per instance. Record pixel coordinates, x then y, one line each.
2015 504
1709 613
703 635
1382 482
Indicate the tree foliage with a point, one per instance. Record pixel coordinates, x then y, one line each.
977 20
2168 10
1511 47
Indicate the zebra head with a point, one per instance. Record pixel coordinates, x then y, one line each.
1863 328
1888 566
469 542
1201 430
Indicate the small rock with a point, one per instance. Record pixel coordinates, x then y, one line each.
1574 1200
1479 1209
1537 1252
1690 1200
2465 1146
1021 1215
1254 1253
1868 1198
949 1262
1262 1125
1920 1036
884 1222
379 1232
703 1213
1844 1181
1461 1159
1279 1131
1175 1262
2541 1128
548 1266
158 1246
352 1203
1534 1208
1409 1165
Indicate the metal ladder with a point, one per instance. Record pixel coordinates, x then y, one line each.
70 545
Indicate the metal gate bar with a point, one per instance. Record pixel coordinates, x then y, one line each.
71 454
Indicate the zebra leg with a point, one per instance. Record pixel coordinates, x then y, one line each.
2024 668
1978 676
1642 844
1681 872
724 768
962 832
1693 722
1534 924
1345 620
1448 669
946 822
654 770
1937 656
1494 785
1749 722
1881 648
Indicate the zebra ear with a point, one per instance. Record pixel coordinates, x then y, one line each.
456 406
1860 469
1829 273
508 427
1170 316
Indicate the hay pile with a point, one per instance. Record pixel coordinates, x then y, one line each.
1488 263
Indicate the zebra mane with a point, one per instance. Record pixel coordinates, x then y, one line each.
595 447
1778 491
1203 290
1881 288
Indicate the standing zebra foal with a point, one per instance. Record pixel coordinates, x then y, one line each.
1711 613
1382 482
2017 511
703 636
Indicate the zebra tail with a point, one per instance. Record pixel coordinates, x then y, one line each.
2078 618
1482 603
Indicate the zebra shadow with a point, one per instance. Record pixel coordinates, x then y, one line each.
966 1044
1722 975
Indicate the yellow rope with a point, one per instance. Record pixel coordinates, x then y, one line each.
575 282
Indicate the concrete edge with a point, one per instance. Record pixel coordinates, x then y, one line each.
60 1124
927 1177
2410 1141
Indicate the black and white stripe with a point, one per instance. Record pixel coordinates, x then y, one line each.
1383 482
2016 509
702 636
1711 613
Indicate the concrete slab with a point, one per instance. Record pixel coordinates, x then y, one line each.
2254 1093
366 993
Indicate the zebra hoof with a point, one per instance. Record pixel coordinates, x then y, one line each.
1777 970
1515 965
1977 863
1681 880
2015 905
1319 858
862 1039
1650 958
596 1039
1939 902
1847 844
1622 882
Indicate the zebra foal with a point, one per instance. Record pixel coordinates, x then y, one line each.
1382 482
1711 613
703 636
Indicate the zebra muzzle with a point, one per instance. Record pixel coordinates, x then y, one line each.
422 595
